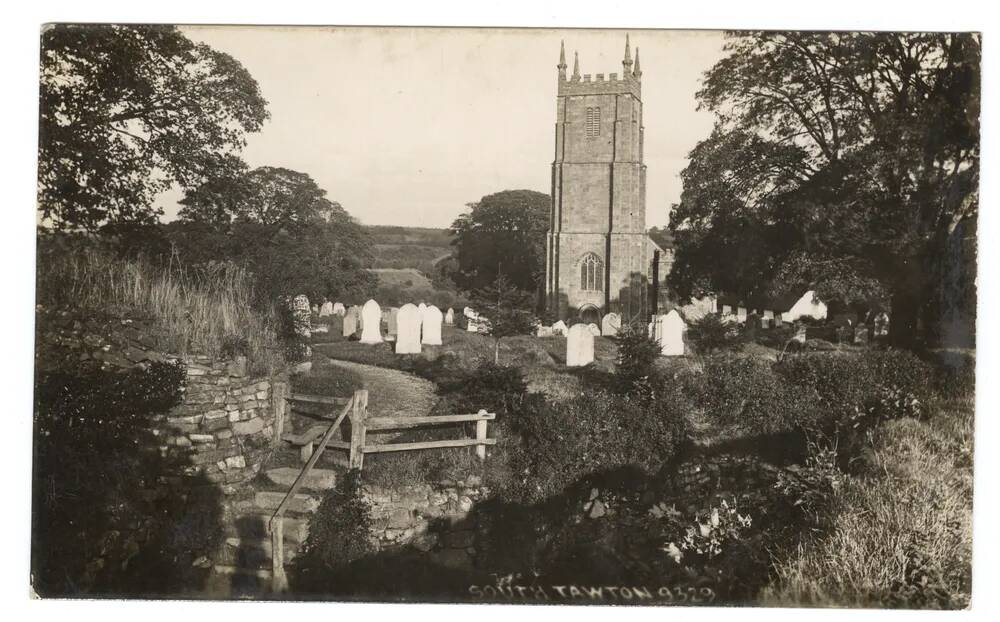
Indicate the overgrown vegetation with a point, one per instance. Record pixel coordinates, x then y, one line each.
101 524
211 309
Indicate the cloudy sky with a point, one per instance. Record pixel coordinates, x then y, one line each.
405 126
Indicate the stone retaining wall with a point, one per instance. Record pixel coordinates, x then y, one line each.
428 517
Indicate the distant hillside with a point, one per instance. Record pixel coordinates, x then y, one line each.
402 248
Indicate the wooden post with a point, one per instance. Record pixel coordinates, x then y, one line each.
358 413
279 393
305 452
481 436
279 581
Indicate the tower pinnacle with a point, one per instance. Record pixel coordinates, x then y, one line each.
576 65
562 61
638 71
627 63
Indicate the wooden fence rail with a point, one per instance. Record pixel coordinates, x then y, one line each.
318 438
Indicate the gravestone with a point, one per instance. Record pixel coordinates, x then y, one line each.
579 346
449 317
881 324
338 309
315 309
669 331
543 331
594 329
326 309
371 323
559 328
423 309
302 316
351 318
431 326
468 312
390 323
861 335
611 324
741 314
408 330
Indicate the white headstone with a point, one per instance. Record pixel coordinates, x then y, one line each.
471 325
741 314
594 329
669 332
543 331
338 309
326 309
449 317
408 330
611 324
468 312
371 323
351 318
579 346
431 326
559 328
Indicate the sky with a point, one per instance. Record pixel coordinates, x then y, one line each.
405 126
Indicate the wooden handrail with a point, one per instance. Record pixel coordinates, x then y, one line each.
318 399
276 524
393 423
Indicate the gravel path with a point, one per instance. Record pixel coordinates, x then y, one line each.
392 392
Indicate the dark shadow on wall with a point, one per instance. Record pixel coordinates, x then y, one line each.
112 514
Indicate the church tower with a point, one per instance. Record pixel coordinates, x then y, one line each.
597 250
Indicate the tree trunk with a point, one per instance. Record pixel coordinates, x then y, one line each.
496 352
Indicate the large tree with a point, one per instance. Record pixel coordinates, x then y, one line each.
848 162
502 234
127 111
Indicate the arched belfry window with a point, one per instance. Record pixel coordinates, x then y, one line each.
591 273
593 124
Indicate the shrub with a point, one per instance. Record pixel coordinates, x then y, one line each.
744 392
559 442
98 525
637 356
493 387
713 333
954 374
339 533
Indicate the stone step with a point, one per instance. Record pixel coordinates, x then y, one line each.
318 479
251 525
300 503
230 570
252 553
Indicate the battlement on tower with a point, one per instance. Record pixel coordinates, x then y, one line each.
585 85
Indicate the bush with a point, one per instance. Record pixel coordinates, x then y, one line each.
713 333
98 525
637 356
954 374
557 443
339 533
493 387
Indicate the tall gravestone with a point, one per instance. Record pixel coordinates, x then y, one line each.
669 331
351 318
431 326
449 317
408 330
371 323
579 346
611 323
338 309
326 309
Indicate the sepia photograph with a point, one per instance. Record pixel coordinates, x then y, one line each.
523 316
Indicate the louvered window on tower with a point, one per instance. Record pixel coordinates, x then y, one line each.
591 273
593 121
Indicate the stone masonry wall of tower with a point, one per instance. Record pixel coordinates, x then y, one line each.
598 192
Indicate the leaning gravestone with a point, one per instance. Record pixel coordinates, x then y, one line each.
371 323
559 328
669 331
326 309
449 317
351 321
431 326
579 346
338 309
611 324
594 329
408 330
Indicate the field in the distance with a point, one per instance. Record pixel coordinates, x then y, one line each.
418 248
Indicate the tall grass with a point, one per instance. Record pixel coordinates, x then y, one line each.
209 310
902 538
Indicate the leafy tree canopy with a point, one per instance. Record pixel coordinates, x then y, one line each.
504 233
128 111
847 162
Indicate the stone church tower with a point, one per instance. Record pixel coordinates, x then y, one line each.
598 255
